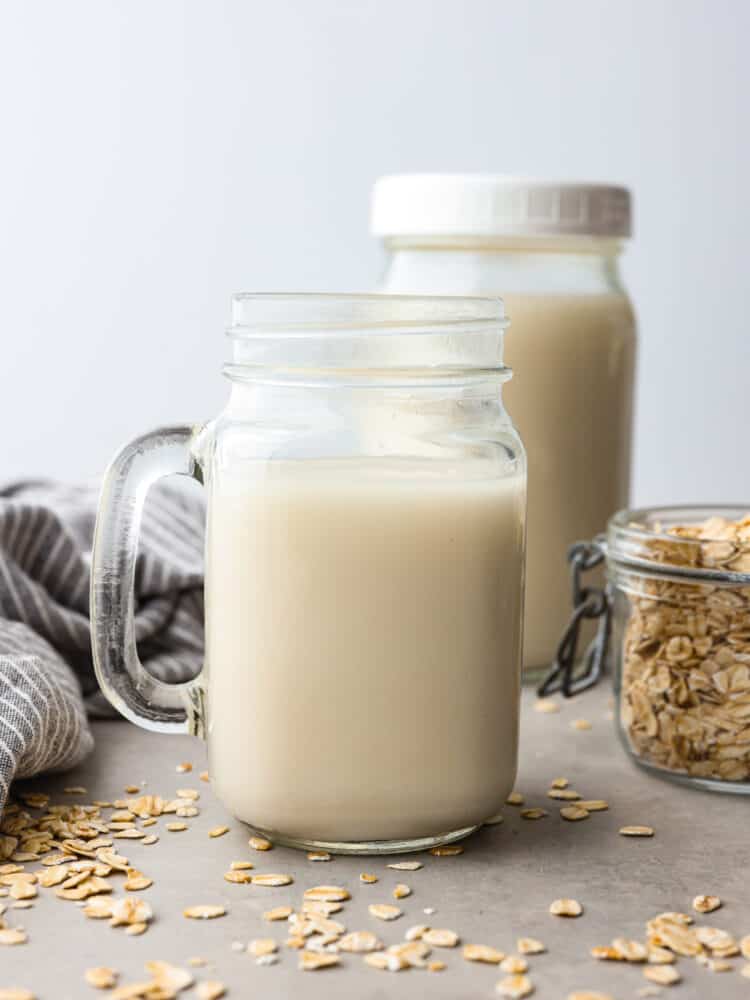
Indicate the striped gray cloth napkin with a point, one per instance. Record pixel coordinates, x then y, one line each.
47 683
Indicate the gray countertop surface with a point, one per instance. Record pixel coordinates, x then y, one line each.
499 889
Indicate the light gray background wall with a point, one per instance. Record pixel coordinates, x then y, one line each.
158 154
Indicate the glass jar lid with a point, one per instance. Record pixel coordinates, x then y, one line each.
497 205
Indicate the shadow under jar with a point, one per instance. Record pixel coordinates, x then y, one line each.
680 586
364 572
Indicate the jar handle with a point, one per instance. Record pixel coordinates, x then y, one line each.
133 691
588 602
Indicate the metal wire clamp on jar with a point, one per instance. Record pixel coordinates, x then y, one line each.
675 616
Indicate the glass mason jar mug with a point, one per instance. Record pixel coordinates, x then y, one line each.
364 572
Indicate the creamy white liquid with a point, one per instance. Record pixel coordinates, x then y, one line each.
363 647
571 399
573 359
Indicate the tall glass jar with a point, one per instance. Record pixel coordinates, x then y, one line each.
364 572
551 251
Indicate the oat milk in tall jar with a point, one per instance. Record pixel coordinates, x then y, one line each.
551 251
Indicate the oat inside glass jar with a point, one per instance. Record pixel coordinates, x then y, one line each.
680 586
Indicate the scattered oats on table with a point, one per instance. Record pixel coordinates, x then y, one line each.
271 959
514 964
494 820
565 908
629 950
327 893
447 850
318 856
438 937
262 946
413 953
136 881
563 794
385 962
515 987
12 935
401 891
529 946
660 956
184 768
272 880
581 724
515 799
321 906
102 977
717 940
360 942
278 913
218 831
670 931
706 904
589 995
483 953
574 813
206 911
188 793
310 961
367 878
384 911
260 843
636 831
534 813
210 989
546 706
718 965
664 975
406 866
238 877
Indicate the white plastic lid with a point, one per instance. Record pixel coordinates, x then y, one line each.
495 205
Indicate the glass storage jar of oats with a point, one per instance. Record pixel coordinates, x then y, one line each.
551 251
679 588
